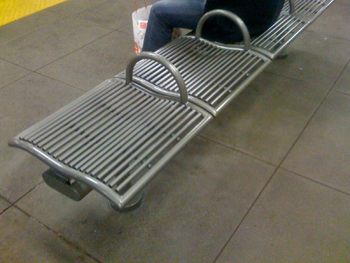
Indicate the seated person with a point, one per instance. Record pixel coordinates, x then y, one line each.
258 15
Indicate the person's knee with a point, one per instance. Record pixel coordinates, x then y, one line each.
159 9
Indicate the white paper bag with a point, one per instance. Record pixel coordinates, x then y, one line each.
139 22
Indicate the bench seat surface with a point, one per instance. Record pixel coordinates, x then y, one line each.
116 134
211 73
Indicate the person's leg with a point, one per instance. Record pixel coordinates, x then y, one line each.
167 14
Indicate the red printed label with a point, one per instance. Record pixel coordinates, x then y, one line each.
143 25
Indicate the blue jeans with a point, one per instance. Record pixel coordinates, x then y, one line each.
167 14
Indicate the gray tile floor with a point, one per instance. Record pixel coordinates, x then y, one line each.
267 181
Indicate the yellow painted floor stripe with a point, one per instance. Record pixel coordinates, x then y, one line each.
11 10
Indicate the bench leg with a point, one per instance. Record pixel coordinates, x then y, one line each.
77 191
283 54
132 205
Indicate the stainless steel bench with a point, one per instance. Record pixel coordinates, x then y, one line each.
115 138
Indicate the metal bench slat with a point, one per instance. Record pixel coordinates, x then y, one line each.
151 69
102 134
123 137
43 126
192 70
202 76
90 117
161 78
120 128
67 117
71 143
140 150
133 141
165 144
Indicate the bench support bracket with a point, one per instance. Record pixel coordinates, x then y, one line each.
74 190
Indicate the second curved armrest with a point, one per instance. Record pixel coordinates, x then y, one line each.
167 64
236 19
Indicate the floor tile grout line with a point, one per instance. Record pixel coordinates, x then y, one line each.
341 92
7 208
1 196
315 181
237 150
8 84
60 236
251 206
279 165
75 16
263 189
317 32
20 198
13 63
7 201
98 25
312 116
334 90
256 199
12 82
31 32
261 192
246 214
62 17
39 73
342 71
69 53
13 203
71 86
60 81
312 82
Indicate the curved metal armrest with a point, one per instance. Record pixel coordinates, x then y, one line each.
167 64
239 22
